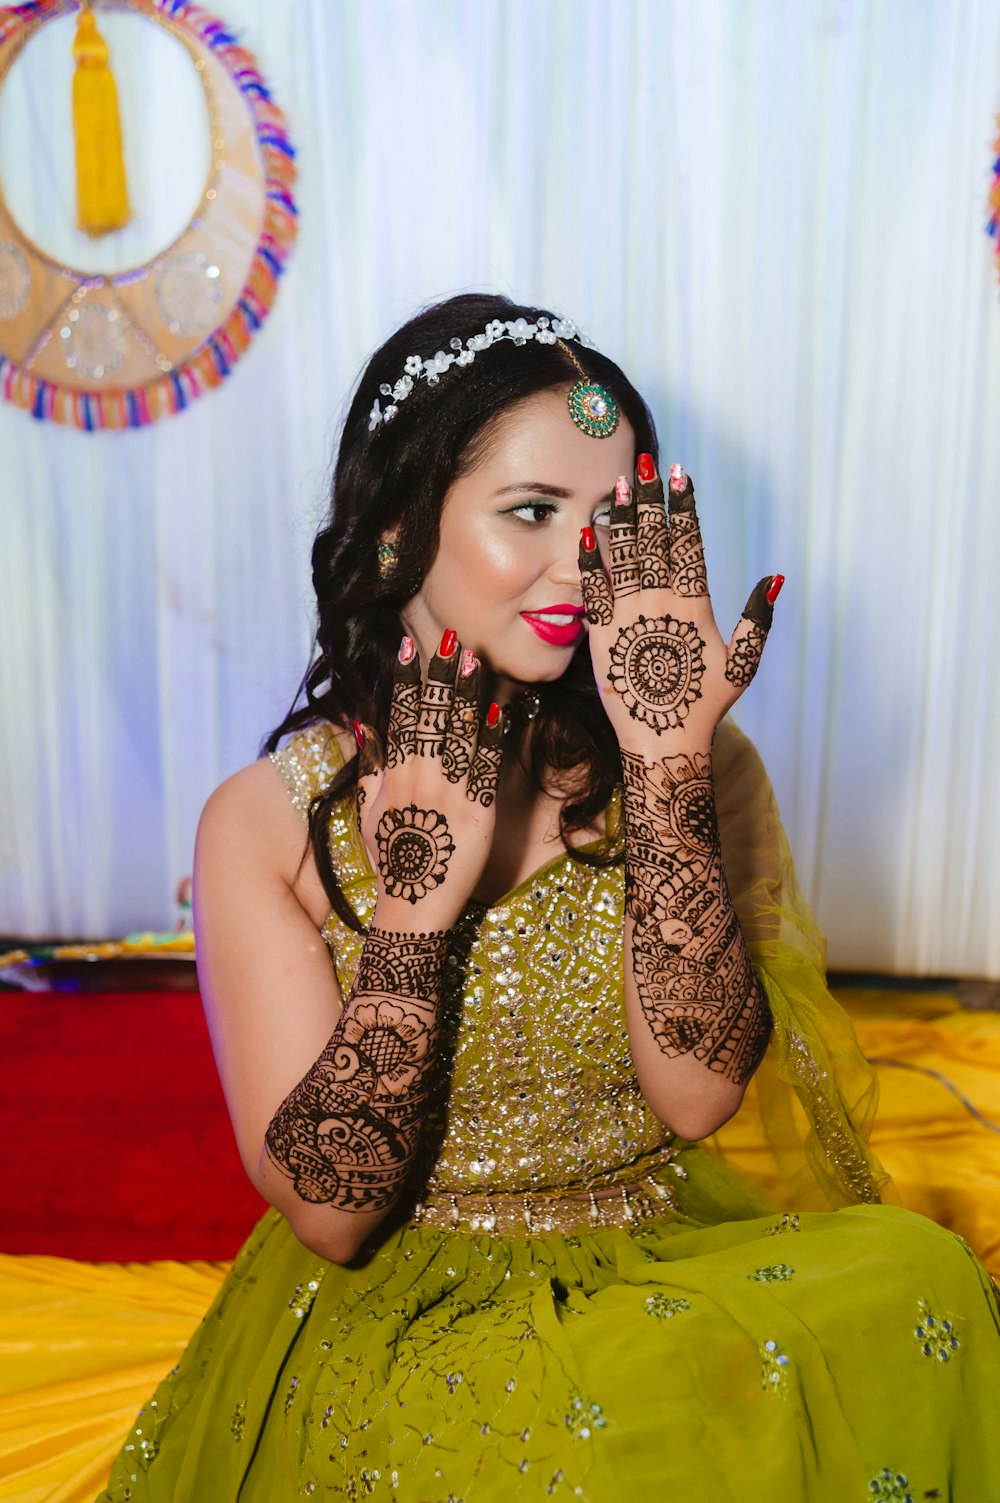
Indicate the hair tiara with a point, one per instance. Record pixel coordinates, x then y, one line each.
591 405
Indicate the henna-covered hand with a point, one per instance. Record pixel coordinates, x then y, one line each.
349 1133
425 809
668 677
657 652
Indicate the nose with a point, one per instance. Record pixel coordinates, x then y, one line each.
565 572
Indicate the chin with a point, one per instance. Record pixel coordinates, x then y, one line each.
544 666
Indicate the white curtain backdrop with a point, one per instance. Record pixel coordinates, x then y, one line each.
772 213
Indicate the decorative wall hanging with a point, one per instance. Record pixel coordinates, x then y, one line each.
123 348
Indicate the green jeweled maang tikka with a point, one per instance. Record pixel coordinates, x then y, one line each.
593 409
591 406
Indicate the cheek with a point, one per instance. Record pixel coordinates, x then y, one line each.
481 560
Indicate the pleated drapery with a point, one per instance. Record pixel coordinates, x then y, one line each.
772 214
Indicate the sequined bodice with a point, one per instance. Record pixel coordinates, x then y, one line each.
543 1098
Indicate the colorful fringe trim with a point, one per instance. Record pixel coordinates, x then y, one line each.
993 226
213 361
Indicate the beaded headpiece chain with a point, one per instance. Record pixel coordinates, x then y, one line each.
591 406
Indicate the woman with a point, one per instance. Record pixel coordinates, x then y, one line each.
500 1261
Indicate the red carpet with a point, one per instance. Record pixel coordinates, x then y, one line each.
115 1139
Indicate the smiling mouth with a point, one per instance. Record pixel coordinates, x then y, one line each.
557 615
561 627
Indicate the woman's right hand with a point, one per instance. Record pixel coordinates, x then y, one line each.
427 806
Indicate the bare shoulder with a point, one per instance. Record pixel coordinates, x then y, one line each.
252 837
251 816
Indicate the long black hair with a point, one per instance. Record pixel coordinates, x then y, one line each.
394 480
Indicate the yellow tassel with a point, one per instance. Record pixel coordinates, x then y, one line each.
101 190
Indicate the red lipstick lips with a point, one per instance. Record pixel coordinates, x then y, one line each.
559 625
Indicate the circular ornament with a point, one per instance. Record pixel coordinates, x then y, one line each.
414 848
15 279
657 667
593 409
122 348
187 292
692 815
94 341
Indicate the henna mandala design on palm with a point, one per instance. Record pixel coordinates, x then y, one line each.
414 849
657 666
744 659
687 552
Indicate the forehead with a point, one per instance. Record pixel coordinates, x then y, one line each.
537 440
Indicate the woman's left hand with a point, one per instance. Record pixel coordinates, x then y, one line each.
664 672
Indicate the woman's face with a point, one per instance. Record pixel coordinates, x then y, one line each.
505 576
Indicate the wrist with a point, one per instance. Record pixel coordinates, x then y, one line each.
640 755
435 915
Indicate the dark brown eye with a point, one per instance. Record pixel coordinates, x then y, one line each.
539 511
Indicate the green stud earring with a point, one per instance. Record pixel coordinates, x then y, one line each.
386 555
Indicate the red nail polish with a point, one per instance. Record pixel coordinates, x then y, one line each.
646 468
492 714
775 588
468 663
359 734
588 540
406 650
448 643
622 495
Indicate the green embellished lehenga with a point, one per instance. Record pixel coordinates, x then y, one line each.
578 1306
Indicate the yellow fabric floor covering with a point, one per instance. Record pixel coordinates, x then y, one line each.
83 1345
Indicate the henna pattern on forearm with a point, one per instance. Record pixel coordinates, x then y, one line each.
414 849
656 667
348 1134
697 986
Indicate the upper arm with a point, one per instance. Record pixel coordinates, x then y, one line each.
269 990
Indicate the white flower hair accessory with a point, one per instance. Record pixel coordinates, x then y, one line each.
591 406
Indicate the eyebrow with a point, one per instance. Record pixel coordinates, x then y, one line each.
537 487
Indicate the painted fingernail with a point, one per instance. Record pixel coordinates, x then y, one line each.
678 479
588 540
492 714
448 643
622 495
359 734
775 588
468 663
406 650
646 468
